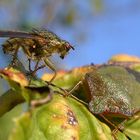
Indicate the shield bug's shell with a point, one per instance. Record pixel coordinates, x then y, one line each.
113 91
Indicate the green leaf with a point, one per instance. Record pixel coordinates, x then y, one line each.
61 119
132 127
6 121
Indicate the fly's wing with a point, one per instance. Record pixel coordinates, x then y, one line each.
16 34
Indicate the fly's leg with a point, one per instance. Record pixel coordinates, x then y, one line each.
15 57
26 50
32 72
51 66
13 62
40 67
36 68
30 69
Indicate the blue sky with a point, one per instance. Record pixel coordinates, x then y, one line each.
110 34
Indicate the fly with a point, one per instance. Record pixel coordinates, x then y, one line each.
37 45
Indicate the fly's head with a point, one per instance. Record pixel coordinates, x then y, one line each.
64 48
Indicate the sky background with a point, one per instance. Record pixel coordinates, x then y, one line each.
98 29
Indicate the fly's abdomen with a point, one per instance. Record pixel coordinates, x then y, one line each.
10 45
13 44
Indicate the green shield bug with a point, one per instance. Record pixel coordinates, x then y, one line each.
113 92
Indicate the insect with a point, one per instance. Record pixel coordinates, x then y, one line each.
111 92
38 45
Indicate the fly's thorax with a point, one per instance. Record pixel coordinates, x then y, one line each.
57 45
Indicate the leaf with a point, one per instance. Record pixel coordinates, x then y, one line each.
14 77
61 119
66 118
128 61
20 90
124 58
132 127
6 121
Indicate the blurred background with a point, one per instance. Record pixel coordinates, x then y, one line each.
97 29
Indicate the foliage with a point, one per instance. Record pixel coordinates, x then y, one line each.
60 117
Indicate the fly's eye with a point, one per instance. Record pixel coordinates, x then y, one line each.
68 46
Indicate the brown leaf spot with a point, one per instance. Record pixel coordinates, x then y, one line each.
71 118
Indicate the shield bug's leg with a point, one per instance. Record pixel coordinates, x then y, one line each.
74 88
51 66
70 93
108 121
120 127
116 128
67 93
122 124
